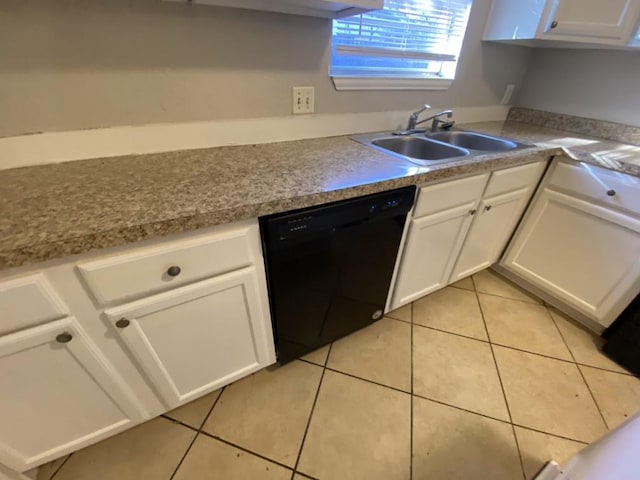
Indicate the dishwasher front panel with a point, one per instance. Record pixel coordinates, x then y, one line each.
329 268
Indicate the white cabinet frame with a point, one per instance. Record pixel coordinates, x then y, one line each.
153 364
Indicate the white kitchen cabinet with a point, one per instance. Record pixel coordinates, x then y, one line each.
441 218
198 318
194 339
503 203
433 244
491 228
59 394
142 271
583 254
557 22
312 8
27 301
455 232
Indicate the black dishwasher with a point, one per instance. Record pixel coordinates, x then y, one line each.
329 268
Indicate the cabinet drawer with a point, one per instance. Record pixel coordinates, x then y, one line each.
149 270
514 178
605 186
28 301
442 196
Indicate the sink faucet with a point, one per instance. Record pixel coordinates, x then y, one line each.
436 120
413 118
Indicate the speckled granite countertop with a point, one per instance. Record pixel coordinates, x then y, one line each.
53 211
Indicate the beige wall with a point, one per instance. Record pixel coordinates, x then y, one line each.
74 64
603 84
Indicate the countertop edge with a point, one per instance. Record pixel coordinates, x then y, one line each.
545 143
47 251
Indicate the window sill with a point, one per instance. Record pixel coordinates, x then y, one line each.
364 83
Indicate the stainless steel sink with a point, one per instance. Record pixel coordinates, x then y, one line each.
420 148
429 148
474 141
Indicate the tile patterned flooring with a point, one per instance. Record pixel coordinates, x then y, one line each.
477 381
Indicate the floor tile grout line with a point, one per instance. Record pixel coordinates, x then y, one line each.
513 348
416 395
304 475
211 409
173 420
504 393
245 449
61 465
310 362
411 400
550 434
452 333
493 354
584 379
626 374
460 288
184 455
397 319
506 346
198 431
629 374
313 407
530 302
532 353
346 374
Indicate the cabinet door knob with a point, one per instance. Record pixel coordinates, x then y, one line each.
64 337
554 24
611 192
472 212
487 208
173 271
123 323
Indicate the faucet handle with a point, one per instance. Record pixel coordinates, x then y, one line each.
413 118
422 109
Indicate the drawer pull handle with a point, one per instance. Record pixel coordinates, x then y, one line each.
610 191
554 24
487 208
174 271
122 323
64 337
472 212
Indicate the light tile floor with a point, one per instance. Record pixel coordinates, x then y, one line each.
477 381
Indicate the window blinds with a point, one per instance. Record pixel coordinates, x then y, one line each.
403 40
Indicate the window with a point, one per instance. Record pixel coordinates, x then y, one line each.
410 44
636 40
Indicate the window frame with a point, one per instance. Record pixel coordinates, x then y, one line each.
363 82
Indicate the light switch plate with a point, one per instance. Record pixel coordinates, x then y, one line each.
303 100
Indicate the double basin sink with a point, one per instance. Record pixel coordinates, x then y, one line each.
428 148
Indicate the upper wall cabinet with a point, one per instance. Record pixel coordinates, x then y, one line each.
311 8
578 23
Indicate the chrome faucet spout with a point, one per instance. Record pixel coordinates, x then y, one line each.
436 119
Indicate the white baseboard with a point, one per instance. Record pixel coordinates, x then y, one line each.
56 147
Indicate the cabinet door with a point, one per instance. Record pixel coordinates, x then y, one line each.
585 255
432 246
491 228
197 338
58 395
610 21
